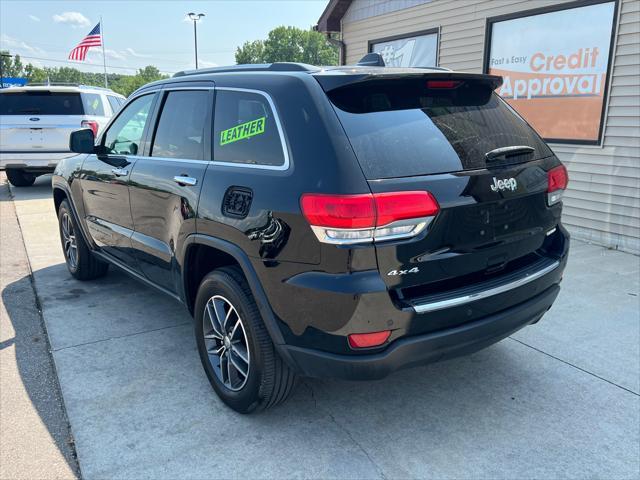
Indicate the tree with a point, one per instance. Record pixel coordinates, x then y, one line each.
124 84
11 66
289 44
250 52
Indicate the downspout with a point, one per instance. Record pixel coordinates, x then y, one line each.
340 44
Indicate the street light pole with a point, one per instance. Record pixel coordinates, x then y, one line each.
195 17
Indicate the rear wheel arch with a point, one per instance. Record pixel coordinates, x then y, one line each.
227 254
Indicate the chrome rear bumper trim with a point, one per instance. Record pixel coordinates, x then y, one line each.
472 297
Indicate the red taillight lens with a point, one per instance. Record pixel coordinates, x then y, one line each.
350 219
443 84
92 124
339 211
558 179
367 340
394 206
366 210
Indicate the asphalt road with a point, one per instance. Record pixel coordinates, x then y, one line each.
558 399
35 441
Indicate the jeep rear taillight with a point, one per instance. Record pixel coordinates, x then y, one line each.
557 179
365 218
92 124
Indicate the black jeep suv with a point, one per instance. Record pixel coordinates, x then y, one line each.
343 222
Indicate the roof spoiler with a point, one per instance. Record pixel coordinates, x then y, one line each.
332 82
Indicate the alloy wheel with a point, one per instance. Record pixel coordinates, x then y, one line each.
69 243
226 342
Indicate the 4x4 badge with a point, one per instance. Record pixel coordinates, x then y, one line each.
506 184
403 272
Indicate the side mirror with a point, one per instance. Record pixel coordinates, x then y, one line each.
82 141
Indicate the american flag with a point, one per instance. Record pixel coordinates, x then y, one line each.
92 40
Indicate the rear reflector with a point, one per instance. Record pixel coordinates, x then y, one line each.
367 340
558 179
443 84
349 219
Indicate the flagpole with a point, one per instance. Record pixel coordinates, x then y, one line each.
104 58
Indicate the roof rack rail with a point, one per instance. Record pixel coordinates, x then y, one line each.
64 84
53 84
252 67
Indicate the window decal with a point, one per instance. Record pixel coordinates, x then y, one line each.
242 131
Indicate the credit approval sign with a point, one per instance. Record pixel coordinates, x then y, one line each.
554 66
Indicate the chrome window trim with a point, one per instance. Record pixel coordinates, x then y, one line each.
170 159
464 299
285 150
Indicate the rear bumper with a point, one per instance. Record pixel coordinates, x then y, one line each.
40 161
421 349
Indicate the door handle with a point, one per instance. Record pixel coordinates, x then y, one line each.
120 172
183 180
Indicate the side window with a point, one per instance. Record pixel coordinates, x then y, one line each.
125 134
245 130
114 102
181 128
92 104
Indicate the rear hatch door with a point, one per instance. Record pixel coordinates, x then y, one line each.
449 134
39 120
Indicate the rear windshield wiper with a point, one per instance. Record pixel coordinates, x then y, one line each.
504 152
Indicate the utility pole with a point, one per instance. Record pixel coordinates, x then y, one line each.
195 17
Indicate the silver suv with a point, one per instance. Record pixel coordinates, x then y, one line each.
36 121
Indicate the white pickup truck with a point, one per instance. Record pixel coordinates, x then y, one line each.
36 121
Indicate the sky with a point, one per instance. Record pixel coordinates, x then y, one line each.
144 32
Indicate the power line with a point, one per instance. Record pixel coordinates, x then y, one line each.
86 64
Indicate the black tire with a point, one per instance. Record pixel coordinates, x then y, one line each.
83 265
270 380
20 178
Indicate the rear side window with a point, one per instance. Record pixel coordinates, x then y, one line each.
181 129
114 102
245 130
402 128
40 103
93 104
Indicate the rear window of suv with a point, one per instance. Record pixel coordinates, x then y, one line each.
401 128
41 103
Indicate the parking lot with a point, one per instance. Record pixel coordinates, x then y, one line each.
558 399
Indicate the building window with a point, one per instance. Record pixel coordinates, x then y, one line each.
555 65
417 50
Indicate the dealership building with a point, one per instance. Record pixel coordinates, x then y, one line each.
570 68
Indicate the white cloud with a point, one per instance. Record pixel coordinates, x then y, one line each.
97 53
18 46
133 53
206 64
34 18
75 19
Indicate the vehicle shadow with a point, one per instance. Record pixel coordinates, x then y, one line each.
41 189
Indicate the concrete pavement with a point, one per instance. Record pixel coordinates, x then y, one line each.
558 399
35 441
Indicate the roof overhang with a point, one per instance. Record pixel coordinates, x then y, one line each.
330 19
